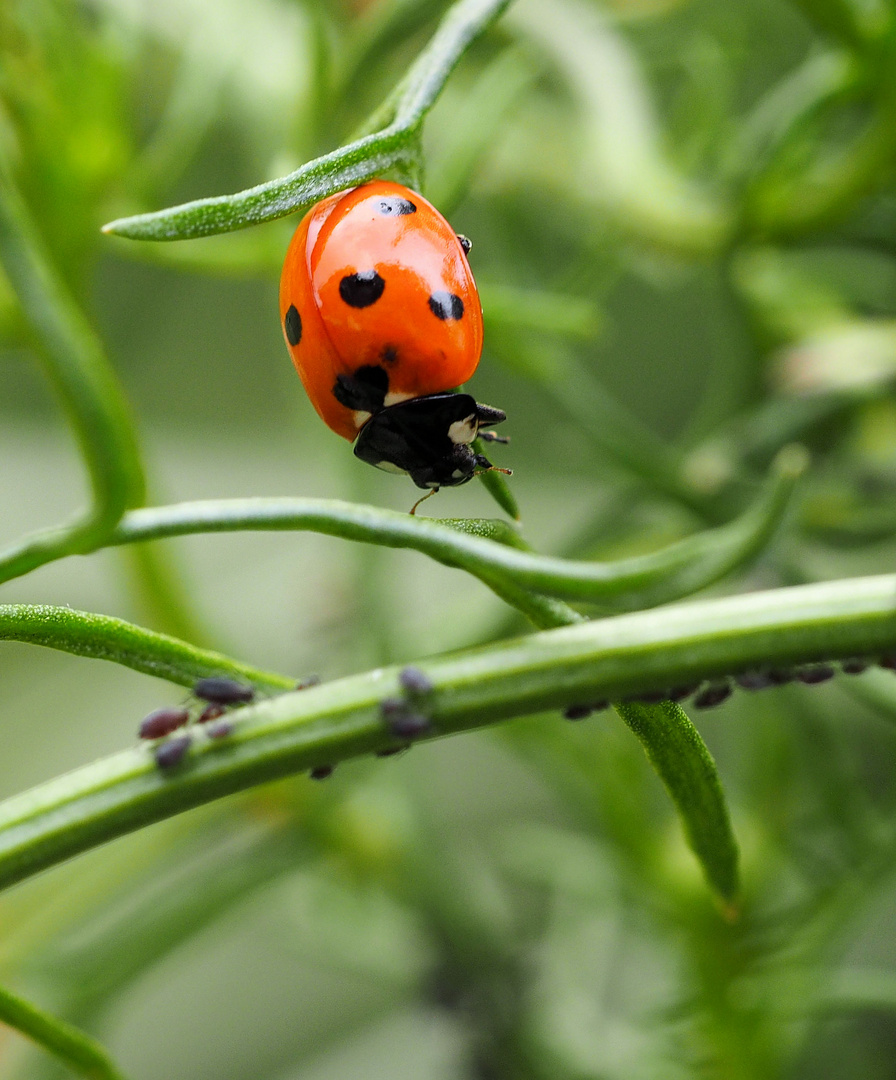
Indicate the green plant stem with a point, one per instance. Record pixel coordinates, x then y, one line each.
394 144
609 658
637 582
82 1054
87 387
105 638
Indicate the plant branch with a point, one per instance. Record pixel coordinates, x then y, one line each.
79 1051
87 387
610 658
641 581
395 144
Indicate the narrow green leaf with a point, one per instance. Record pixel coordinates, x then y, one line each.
359 161
105 638
684 764
79 1051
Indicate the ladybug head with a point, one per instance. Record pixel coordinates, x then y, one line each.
428 438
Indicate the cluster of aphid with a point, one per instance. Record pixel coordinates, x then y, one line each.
710 694
405 716
406 719
214 698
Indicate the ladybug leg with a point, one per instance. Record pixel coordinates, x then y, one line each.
423 498
487 416
490 436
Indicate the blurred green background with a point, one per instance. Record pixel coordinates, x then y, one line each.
683 219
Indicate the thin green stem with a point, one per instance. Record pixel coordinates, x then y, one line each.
79 1051
395 145
87 387
461 26
611 658
666 575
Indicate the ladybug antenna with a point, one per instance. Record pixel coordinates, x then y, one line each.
433 491
491 468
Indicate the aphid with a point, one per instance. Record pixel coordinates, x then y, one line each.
577 712
402 720
162 722
171 753
220 730
854 666
713 695
815 673
754 680
222 691
414 682
210 712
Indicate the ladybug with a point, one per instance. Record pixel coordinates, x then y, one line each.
383 321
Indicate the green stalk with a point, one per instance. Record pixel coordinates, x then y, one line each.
395 146
645 580
87 387
79 1051
610 658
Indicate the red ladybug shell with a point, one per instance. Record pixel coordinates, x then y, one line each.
377 294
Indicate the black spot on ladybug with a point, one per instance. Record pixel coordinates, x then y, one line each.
396 205
446 306
388 354
365 390
362 289
293 325
466 243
